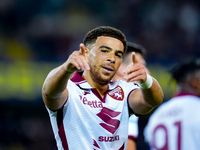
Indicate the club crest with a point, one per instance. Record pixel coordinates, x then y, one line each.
117 93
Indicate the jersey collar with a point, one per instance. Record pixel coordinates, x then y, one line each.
183 94
82 83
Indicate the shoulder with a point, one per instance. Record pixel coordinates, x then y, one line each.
125 84
186 100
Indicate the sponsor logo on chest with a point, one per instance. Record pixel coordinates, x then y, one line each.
91 103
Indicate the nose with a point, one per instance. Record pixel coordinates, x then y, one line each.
111 58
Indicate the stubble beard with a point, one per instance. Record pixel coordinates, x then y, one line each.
96 76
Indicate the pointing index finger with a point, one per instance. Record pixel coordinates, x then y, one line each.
84 60
134 59
82 49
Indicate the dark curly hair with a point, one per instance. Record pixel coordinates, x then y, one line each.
185 67
93 34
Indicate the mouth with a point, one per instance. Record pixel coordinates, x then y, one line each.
108 69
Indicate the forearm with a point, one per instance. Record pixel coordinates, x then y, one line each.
54 90
143 101
55 83
153 96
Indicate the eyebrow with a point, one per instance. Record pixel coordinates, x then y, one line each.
106 47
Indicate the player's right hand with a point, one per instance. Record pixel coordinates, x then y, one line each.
77 60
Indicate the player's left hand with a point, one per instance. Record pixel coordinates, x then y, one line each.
135 71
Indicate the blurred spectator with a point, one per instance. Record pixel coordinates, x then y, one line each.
44 27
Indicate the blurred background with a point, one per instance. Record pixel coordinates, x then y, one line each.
38 35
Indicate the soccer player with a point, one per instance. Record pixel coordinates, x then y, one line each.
175 125
140 53
88 111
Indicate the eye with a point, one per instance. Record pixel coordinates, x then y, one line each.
118 55
104 51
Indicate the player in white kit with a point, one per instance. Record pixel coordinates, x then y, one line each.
88 111
175 125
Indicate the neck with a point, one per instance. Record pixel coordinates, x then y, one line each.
186 89
100 88
118 77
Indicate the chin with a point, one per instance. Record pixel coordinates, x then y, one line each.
105 80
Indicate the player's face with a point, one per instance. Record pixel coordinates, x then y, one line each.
105 58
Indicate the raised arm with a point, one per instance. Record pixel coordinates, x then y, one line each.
54 91
149 95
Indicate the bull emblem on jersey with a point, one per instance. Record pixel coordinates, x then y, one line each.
117 93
